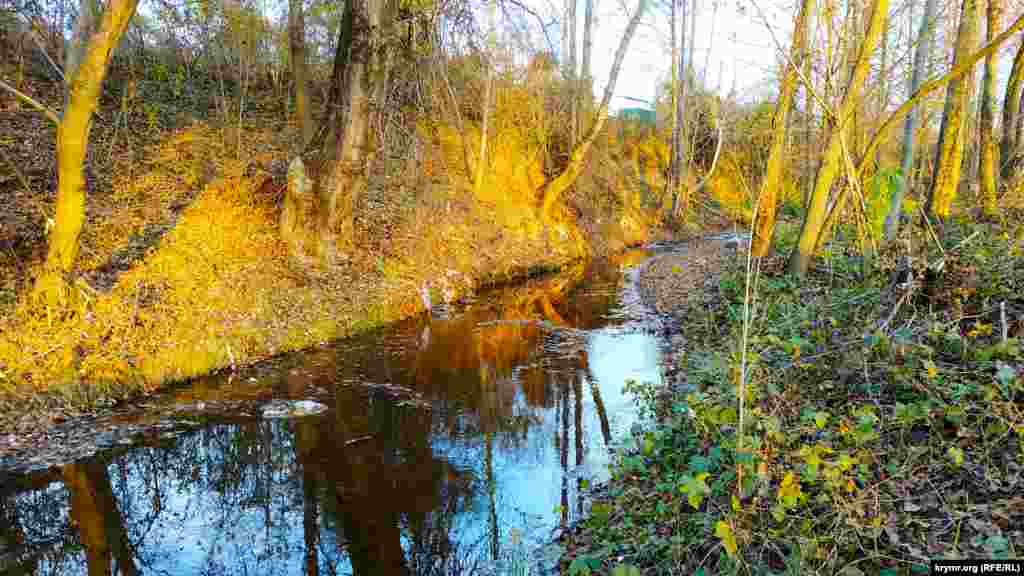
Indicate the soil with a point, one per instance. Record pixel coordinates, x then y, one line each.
673 283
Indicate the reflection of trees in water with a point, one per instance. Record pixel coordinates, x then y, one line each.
363 489
100 525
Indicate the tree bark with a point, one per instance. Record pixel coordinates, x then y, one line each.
767 203
924 44
949 156
1011 111
88 57
297 42
552 192
828 170
958 71
678 165
586 95
320 210
988 167
570 70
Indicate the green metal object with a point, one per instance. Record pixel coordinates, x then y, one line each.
644 115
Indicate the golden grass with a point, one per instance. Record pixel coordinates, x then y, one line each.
218 289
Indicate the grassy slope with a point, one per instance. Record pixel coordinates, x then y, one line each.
869 449
216 289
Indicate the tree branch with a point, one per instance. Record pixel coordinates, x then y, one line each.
956 73
46 110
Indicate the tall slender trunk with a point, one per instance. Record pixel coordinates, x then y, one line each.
570 70
552 192
924 44
764 220
297 42
1011 112
949 156
678 166
988 156
828 171
481 164
586 92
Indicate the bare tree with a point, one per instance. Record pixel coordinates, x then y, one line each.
552 192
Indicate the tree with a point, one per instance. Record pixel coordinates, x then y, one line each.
924 43
677 165
1011 111
764 220
297 43
319 202
586 91
988 167
100 523
828 170
86 64
949 156
553 190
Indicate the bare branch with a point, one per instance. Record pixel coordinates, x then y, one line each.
46 110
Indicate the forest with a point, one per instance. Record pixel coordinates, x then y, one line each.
194 187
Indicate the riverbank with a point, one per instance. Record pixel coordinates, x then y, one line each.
183 274
882 422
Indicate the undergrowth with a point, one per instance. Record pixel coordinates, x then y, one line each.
883 424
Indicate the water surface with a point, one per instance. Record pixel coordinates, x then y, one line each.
450 446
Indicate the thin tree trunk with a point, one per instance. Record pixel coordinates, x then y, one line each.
949 156
552 192
988 161
764 220
958 71
481 164
678 167
571 75
1011 110
297 42
828 171
88 58
924 44
586 95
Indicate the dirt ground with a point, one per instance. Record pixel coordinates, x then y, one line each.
675 282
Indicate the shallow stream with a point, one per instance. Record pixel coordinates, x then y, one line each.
457 444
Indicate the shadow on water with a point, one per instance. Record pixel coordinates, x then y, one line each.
450 446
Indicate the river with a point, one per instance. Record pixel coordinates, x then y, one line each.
454 444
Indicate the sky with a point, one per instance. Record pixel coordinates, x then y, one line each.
743 51
743 55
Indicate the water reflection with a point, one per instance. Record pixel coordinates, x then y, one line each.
443 439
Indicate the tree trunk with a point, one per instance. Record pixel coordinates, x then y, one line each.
1011 111
988 167
678 166
88 58
554 189
586 92
949 156
570 68
672 182
320 202
767 203
101 526
297 42
924 44
828 170
958 71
